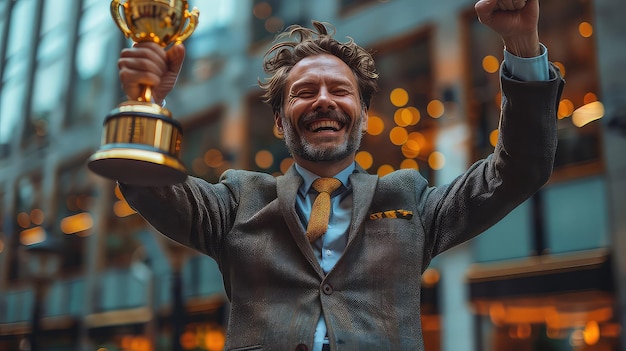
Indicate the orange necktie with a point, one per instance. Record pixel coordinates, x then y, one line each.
318 222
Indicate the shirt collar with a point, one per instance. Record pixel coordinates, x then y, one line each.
309 177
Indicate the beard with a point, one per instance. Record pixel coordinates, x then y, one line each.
298 146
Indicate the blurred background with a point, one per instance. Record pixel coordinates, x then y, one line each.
79 270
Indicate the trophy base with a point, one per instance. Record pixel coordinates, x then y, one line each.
137 167
140 146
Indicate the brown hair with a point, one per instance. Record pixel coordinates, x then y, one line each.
284 54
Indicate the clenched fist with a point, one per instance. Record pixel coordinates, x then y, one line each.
510 5
516 23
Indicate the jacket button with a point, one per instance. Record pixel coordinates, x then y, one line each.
302 347
327 289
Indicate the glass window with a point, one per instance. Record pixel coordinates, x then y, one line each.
4 22
11 109
532 327
123 223
29 220
213 42
97 49
122 226
215 16
74 219
21 29
47 96
402 120
3 236
268 152
265 20
349 5
269 17
15 68
566 29
51 76
201 151
29 204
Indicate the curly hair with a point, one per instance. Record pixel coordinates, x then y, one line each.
284 54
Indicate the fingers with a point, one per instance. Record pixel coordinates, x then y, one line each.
515 21
143 58
145 64
510 5
484 9
175 57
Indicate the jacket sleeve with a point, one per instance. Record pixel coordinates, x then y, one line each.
194 213
520 165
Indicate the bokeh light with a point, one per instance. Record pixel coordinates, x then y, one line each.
364 159
435 108
399 97
491 64
375 125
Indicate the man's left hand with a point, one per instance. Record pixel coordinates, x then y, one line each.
515 21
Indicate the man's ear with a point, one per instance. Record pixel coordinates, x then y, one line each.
365 116
278 122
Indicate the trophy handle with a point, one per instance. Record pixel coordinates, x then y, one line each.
191 25
118 19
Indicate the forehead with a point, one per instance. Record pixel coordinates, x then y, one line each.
321 67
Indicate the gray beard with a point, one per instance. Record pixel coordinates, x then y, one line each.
297 146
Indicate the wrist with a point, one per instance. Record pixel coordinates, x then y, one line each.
526 46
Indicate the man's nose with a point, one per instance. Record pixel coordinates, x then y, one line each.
324 101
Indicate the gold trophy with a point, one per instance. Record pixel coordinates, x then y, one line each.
141 141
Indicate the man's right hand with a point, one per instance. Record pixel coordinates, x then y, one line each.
149 64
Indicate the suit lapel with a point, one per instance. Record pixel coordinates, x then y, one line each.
363 188
287 189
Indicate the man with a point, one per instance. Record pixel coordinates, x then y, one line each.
357 286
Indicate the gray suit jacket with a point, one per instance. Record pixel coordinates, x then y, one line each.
371 299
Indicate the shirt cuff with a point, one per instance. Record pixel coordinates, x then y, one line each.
528 68
162 104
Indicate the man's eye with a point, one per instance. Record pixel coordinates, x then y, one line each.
303 94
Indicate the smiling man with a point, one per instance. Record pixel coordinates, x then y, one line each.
328 257
323 118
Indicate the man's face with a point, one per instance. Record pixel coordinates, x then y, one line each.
323 118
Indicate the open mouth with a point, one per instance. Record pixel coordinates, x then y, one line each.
324 125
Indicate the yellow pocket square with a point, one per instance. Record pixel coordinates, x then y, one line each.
402 214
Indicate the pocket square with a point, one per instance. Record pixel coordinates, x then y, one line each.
402 214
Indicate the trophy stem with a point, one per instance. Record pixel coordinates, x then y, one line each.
146 95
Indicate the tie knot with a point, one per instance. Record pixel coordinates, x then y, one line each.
326 185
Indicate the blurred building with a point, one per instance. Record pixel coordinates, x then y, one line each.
550 276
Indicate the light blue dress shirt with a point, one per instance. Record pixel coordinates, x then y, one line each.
529 69
331 245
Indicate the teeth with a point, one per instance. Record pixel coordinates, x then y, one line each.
324 125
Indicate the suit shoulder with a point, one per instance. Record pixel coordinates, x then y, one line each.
402 175
244 176
403 179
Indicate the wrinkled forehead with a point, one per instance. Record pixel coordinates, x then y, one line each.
323 67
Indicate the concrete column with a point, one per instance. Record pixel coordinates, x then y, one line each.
609 30
457 322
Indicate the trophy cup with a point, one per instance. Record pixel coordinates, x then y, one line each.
141 141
